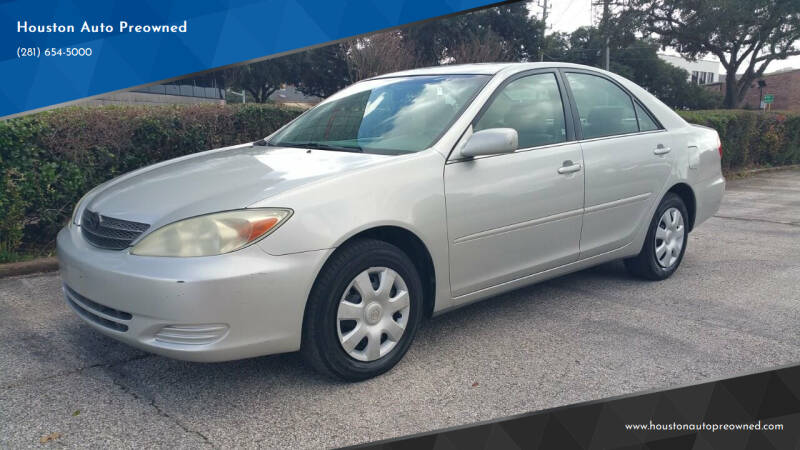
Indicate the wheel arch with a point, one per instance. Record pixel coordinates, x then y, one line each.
686 193
411 245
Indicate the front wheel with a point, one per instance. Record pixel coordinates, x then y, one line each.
665 243
363 311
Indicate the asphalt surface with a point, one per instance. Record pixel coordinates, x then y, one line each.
733 307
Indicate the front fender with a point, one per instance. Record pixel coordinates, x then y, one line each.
406 192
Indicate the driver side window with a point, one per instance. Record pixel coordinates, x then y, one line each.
532 106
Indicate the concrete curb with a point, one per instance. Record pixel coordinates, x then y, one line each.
748 172
49 264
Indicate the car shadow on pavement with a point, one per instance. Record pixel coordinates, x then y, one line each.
152 372
451 353
219 396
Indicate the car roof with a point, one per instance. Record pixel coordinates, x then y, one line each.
482 69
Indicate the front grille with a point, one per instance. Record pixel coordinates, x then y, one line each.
108 232
97 313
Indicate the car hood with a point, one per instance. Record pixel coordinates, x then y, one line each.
221 180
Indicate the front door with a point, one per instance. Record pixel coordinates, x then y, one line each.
516 214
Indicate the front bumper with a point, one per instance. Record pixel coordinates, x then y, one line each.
218 308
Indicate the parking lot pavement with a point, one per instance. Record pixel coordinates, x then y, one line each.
733 307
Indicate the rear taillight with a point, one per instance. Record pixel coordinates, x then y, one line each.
719 147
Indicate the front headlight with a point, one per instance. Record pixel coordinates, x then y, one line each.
212 234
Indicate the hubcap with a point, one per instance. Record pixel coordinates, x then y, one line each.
669 237
373 313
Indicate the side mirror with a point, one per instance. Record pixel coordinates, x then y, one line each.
492 141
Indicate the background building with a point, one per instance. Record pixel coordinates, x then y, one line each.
290 96
784 86
179 92
702 71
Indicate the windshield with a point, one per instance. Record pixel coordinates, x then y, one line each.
387 116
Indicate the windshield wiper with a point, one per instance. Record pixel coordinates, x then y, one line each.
321 146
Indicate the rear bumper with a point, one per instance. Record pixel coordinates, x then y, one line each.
242 304
708 197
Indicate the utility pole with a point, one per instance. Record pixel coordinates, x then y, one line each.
605 28
543 5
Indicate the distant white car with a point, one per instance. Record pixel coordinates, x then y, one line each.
400 197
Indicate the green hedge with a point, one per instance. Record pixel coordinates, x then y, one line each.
49 160
753 139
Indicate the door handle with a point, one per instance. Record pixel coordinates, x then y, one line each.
661 150
569 167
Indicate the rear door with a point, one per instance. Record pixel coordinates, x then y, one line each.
515 214
627 158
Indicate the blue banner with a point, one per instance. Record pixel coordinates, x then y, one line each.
57 51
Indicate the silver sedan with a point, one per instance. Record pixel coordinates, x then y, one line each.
400 197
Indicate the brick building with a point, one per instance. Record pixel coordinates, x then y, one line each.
784 86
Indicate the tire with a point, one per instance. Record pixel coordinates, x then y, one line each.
652 263
341 282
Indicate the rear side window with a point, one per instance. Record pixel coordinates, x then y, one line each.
646 122
604 108
532 106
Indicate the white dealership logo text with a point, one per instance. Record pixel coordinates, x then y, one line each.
86 27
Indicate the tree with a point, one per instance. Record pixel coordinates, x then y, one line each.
503 33
514 25
555 46
435 41
322 71
637 59
614 26
477 49
746 35
261 79
378 54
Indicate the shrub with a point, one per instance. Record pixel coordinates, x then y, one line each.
752 139
48 160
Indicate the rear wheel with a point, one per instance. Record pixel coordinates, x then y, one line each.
363 311
665 243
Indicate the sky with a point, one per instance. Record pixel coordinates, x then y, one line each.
567 15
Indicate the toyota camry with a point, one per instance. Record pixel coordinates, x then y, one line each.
398 198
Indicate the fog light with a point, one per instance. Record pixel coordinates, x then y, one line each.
192 334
